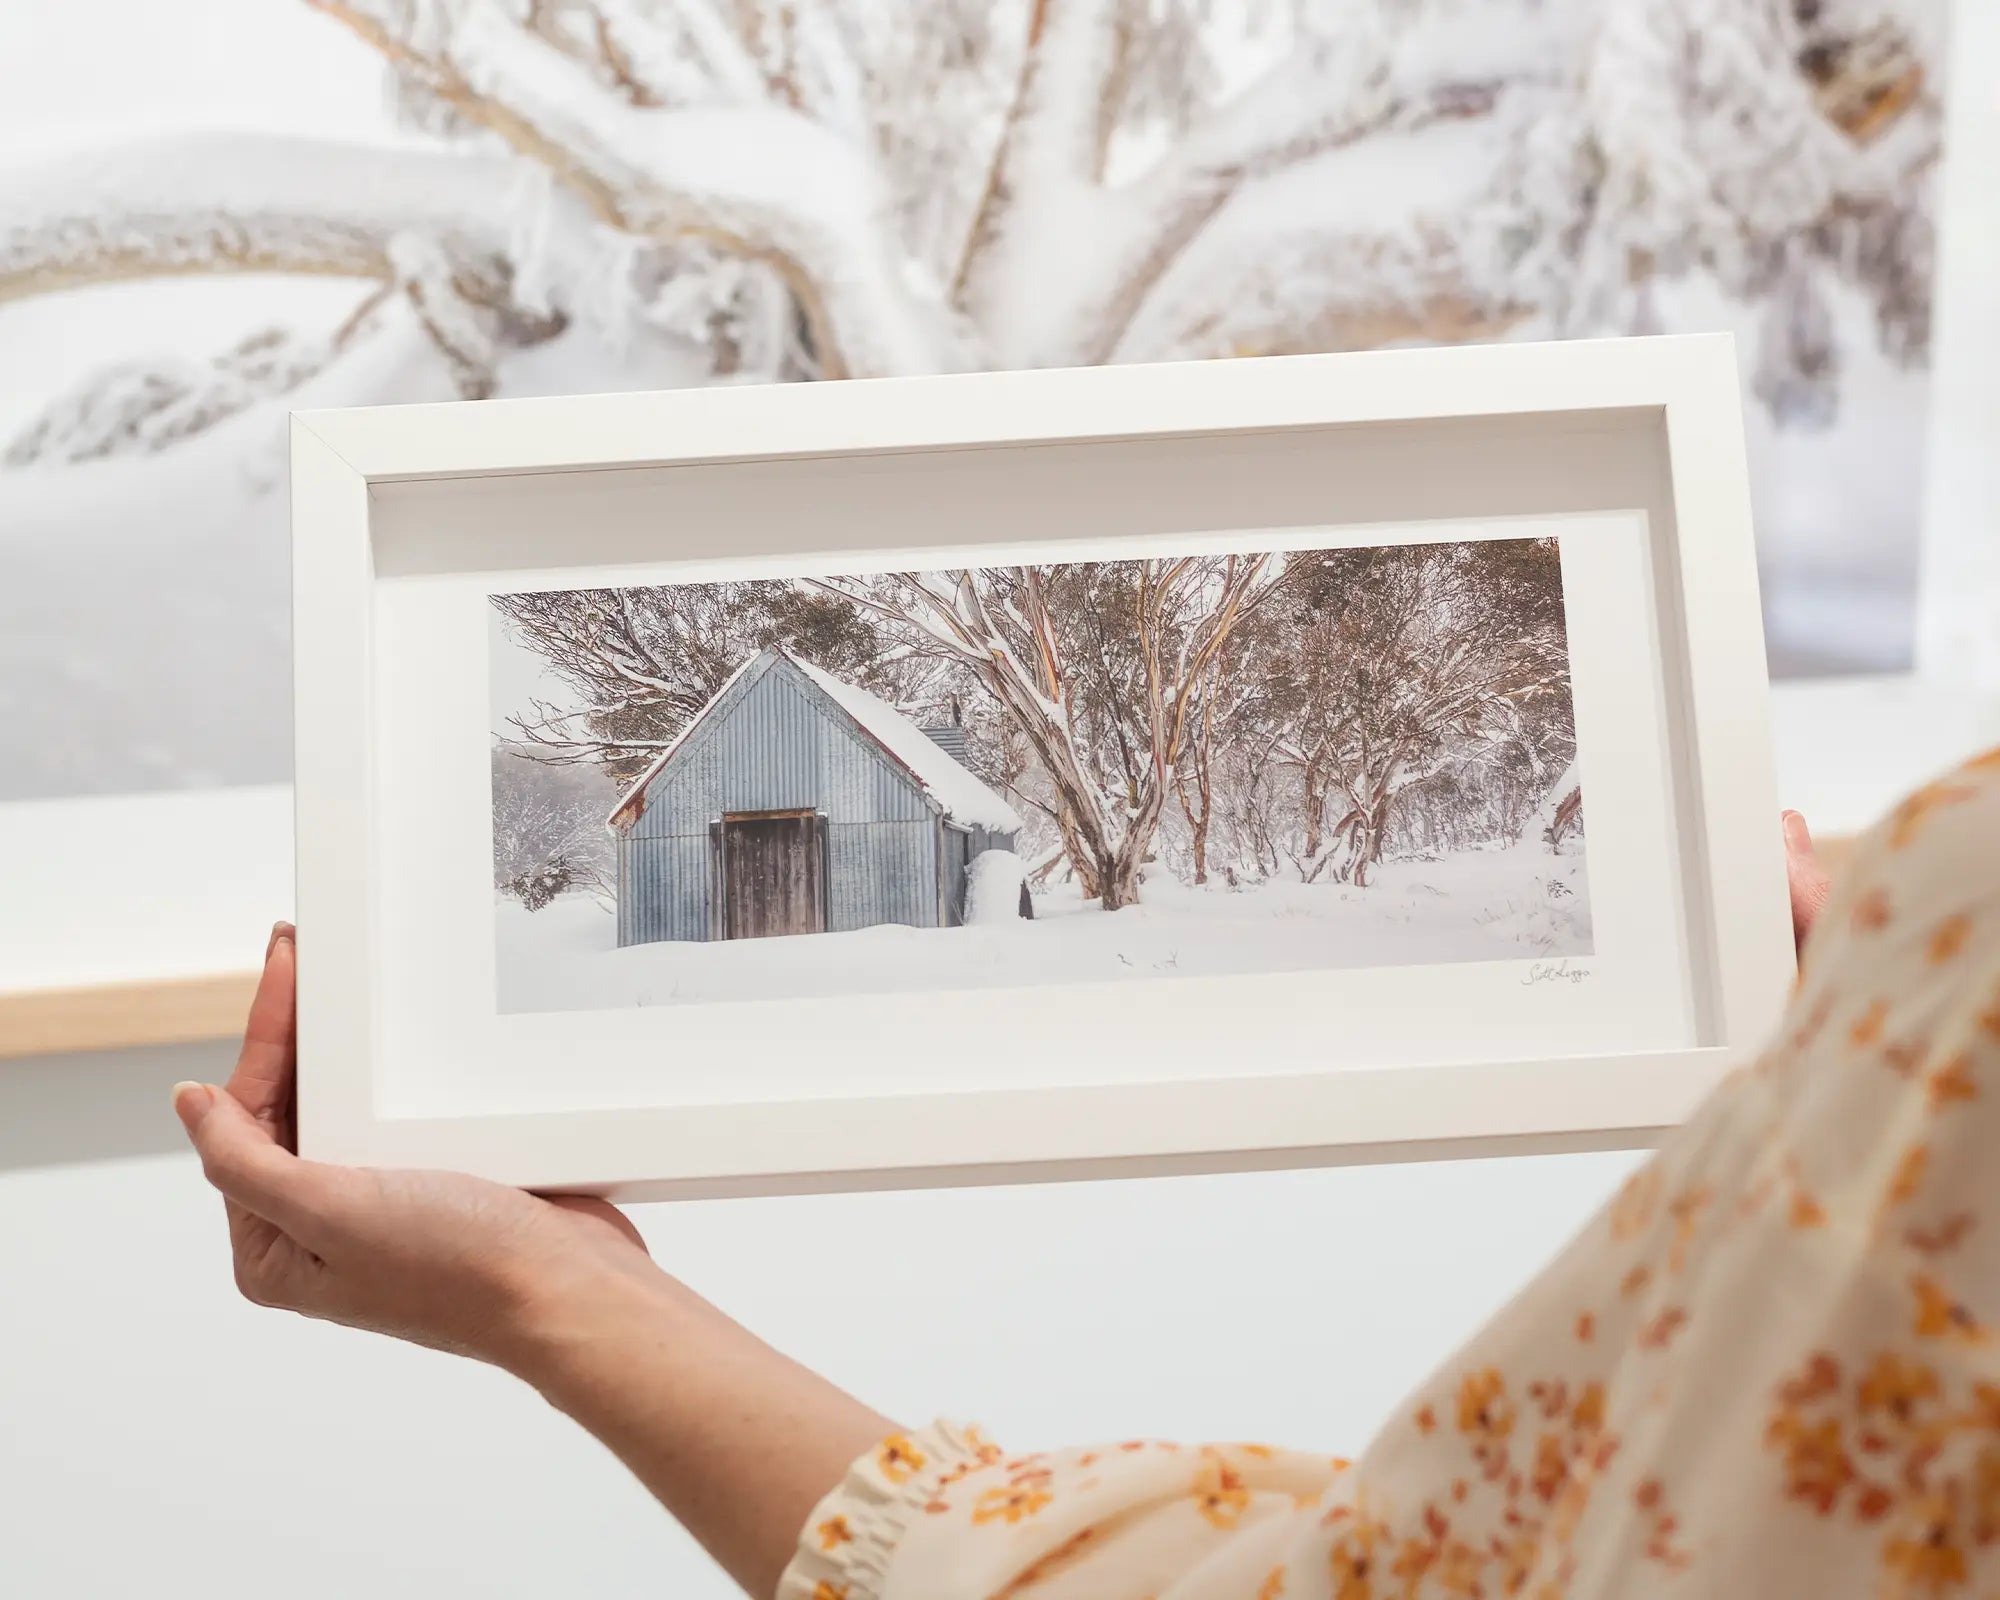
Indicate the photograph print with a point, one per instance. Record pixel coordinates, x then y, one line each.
1003 776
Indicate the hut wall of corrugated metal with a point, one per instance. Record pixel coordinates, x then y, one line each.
769 746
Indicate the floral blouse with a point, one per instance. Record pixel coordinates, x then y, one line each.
1771 1366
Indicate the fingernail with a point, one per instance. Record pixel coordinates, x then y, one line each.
279 930
1796 831
191 1103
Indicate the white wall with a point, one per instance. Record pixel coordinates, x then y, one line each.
160 1438
1958 622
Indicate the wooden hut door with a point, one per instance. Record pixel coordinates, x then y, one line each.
773 874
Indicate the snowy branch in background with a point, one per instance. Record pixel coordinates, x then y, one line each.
1739 140
219 204
823 188
140 407
764 182
208 203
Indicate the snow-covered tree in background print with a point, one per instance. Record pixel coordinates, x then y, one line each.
775 189
1410 661
643 661
548 829
1101 667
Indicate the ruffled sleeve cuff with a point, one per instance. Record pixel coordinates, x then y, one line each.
849 1542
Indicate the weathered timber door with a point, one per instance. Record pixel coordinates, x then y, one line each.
773 874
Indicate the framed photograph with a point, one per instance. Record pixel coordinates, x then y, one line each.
1016 776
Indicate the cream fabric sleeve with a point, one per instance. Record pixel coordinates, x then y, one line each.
1770 1366
945 1513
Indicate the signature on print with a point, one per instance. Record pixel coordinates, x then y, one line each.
1556 972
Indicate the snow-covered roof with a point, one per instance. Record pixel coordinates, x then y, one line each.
954 790
959 795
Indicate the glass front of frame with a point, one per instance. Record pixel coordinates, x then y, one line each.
1090 810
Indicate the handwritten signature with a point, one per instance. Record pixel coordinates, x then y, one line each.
1555 972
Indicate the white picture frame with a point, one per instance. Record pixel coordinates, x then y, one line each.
412 499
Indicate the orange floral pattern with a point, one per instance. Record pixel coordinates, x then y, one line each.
833 1533
1010 1502
1772 1365
899 1459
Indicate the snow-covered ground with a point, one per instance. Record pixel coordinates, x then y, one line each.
1519 904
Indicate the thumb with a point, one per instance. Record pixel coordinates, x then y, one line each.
192 1102
241 1159
1810 885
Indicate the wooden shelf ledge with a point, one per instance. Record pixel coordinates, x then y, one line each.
116 1016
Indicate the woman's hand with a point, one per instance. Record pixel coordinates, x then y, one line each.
433 1257
735 1440
1809 881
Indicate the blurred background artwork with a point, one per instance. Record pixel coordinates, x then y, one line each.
214 212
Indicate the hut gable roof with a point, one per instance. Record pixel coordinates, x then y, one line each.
949 787
954 789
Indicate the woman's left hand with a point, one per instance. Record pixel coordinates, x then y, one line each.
1809 881
733 1439
432 1257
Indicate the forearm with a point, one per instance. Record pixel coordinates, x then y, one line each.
738 1442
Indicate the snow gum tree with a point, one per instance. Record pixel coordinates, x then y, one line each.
1103 668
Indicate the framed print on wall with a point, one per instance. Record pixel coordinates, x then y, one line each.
1012 776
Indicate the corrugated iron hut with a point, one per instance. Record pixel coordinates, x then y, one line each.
795 803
